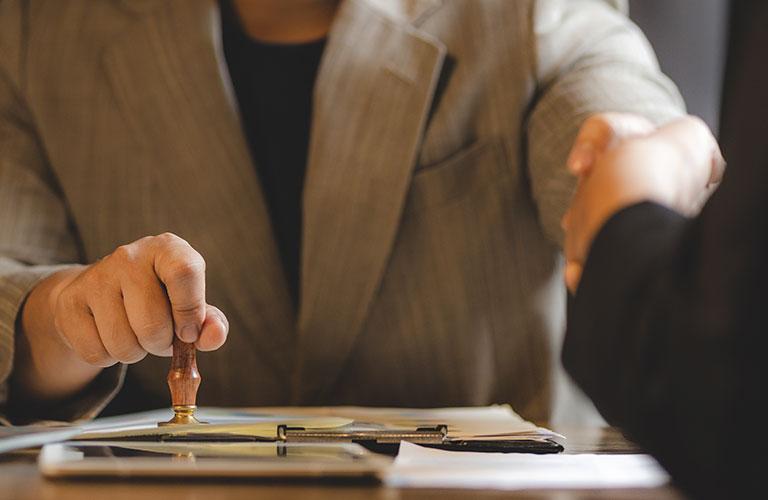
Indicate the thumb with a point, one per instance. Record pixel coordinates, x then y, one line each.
601 131
573 271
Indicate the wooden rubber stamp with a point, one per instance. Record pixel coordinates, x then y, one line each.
183 382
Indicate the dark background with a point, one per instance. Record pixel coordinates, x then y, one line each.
690 39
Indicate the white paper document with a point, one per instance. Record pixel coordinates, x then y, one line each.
29 436
420 467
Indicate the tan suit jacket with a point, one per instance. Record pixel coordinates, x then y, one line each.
430 270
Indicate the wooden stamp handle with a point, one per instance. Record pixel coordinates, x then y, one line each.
183 377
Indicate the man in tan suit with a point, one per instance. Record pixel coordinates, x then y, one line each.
429 269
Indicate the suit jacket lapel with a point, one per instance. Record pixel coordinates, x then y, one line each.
372 97
170 78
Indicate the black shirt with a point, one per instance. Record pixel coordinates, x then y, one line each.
273 84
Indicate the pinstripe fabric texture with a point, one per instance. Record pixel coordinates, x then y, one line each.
435 185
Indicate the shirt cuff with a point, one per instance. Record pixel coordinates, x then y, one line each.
83 406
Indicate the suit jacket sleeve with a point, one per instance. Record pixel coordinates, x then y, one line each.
36 236
589 58
666 332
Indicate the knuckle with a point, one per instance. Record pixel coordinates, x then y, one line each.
96 357
67 303
187 310
127 254
124 256
144 240
130 354
177 248
155 335
169 239
97 283
187 269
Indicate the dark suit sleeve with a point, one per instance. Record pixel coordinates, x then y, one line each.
667 332
621 282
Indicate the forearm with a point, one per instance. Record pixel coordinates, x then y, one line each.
592 60
646 347
607 318
46 368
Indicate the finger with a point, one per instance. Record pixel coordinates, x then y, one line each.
166 353
694 141
182 271
76 326
582 157
115 331
215 330
718 167
149 312
572 276
601 131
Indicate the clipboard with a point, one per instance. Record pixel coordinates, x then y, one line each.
388 441
493 429
383 441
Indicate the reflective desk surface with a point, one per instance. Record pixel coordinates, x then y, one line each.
20 480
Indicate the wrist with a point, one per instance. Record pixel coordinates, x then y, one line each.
46 368
38 312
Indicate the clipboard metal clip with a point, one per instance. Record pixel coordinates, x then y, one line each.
422 435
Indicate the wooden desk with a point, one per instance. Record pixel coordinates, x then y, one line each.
20 480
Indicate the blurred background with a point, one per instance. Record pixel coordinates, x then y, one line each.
690 38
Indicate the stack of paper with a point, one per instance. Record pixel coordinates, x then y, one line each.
488 423
28 436
419 467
